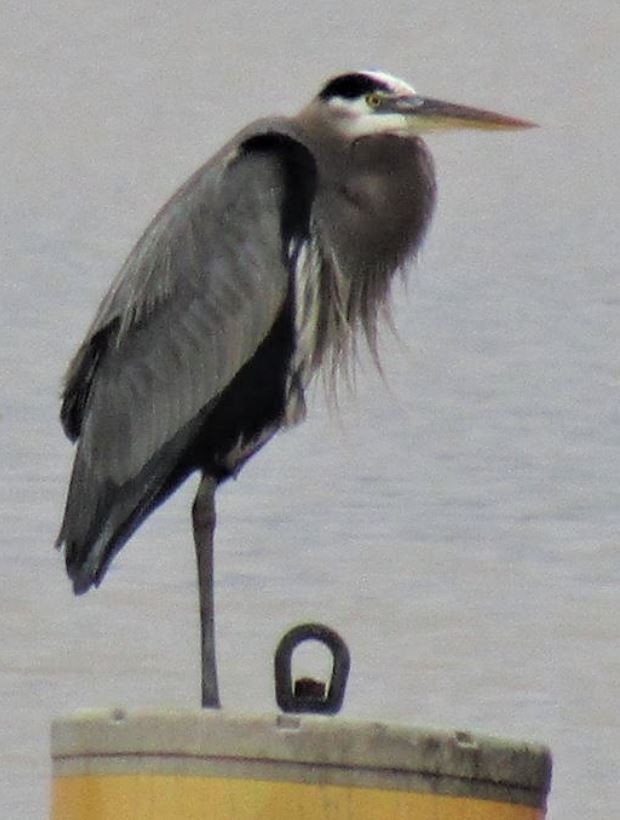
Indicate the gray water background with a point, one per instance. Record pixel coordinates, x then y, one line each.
459 526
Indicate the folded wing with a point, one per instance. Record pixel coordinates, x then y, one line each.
195 300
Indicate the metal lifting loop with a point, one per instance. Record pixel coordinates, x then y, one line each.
307 694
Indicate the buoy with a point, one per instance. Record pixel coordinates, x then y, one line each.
185 765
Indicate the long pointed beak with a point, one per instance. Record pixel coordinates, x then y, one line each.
427 114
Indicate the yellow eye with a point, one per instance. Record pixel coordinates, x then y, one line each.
373 100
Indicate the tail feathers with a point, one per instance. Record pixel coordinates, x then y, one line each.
102 514
99 520
87 559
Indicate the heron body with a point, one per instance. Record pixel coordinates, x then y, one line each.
262 268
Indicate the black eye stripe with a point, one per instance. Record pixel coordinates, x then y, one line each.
351 86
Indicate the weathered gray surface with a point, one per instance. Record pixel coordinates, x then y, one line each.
461 531
304 750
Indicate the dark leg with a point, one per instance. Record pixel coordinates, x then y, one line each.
203 517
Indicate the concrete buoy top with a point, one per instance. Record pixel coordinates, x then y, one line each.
236 763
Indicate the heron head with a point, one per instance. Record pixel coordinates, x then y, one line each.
372 102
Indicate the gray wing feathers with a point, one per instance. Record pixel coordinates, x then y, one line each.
193 302
198 307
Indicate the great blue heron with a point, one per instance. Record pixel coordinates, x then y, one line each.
260 269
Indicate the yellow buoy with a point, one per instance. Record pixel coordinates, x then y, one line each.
185 765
